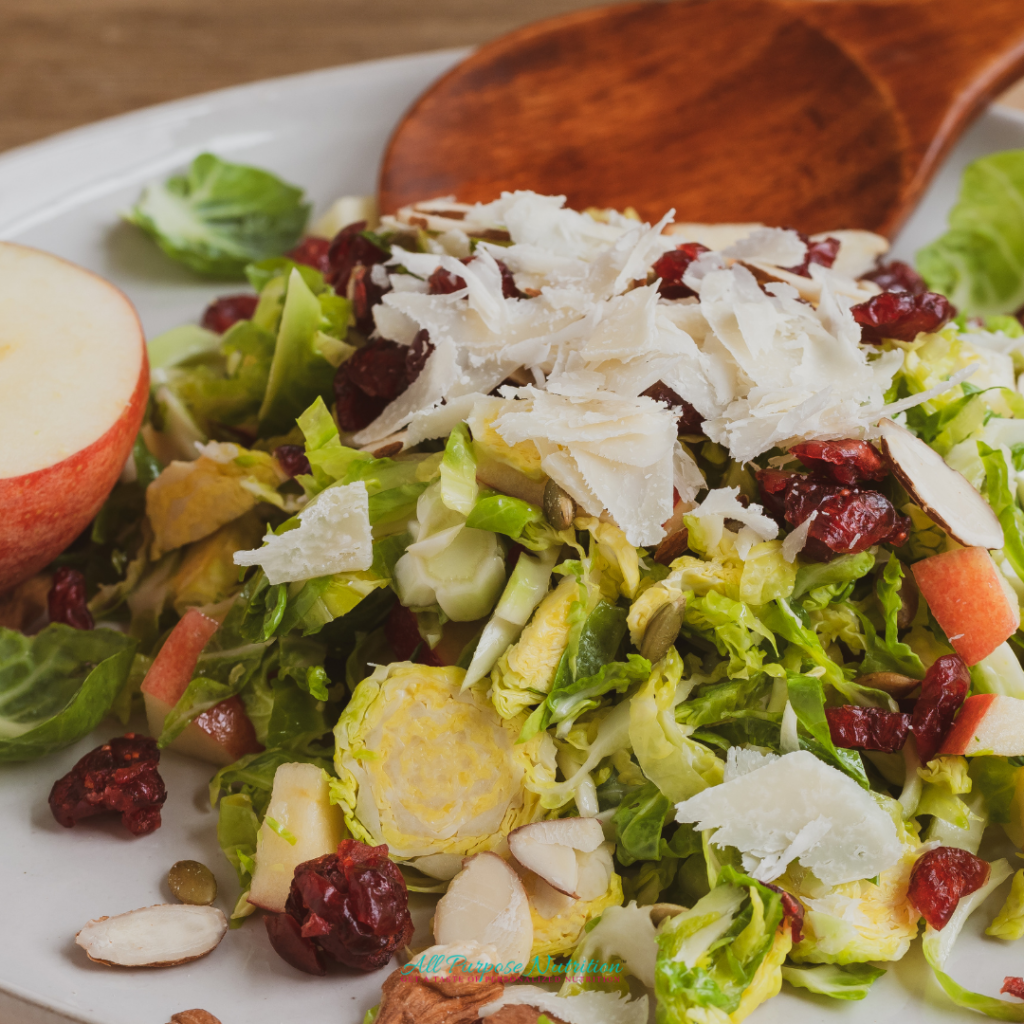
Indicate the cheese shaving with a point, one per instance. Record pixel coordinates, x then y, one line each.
774 815
333 536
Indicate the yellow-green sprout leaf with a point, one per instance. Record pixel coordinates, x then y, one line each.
851 982
191 500
446 774
623 937
611 553
1009 922
679 766
274 825
558 935
766 574
524 674
207 573
949 770
459 488
864 920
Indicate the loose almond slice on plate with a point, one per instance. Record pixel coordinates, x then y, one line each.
486 903
549 849
940 490
159 936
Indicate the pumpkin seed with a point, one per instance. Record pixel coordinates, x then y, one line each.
559 508
192 882
662 630
892 683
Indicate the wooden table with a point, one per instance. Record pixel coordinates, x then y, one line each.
68 62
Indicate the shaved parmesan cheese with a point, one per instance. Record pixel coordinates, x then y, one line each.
333 536
859 250
723 501
586 1007
741 761
782 247
714 236
798 808
606 451
796 540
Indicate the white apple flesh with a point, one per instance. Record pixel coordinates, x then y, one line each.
301 804
74 380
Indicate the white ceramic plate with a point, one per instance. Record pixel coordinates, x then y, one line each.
325 131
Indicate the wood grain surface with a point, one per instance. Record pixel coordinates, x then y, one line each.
68 62
845 109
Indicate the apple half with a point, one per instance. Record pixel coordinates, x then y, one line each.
74 381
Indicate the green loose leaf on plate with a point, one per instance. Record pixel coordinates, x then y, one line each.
57 686
850 982
979 262
219 217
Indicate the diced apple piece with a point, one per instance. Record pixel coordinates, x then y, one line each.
549 849
74 382
220 735
1000 672
300 805
988 723
969 599
486 903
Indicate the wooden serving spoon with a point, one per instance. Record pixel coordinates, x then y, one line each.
813 115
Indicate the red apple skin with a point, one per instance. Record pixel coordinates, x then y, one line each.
221 734
988 723
44 511
175 664
965 594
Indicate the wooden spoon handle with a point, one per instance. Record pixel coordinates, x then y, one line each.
941 61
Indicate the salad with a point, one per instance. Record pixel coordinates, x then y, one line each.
649 595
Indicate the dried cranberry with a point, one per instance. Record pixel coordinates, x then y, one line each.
897 276
1013 987
848 519
351 906
365 293
119 776
943 690
823 252
847 461
225 312
417 355
292 458
354 408
312 252
66 599
348 249
690 421
901 315
443 282
867 728
285 934
378 369
673 265
940 878
793 911
402 633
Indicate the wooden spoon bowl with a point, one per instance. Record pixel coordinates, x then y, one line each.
813 115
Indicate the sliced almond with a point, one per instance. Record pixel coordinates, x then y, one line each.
194 1017
662 911
940 490
595 871
546 900
159 936
486 903
548 848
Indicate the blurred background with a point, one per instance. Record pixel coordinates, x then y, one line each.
65 63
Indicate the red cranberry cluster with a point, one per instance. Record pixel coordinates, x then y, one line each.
351 906
376 375
941 878
850 517
66 600
943 690
671 267
120 776
443 282
690 421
